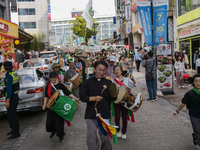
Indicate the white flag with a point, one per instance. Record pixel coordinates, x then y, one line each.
88 15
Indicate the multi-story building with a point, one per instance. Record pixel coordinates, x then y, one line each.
5 10
33 17
187 28
61 28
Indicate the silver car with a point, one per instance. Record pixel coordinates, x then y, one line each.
38 64
49 56
32 91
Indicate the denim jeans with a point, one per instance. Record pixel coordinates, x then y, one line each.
151 85
130 71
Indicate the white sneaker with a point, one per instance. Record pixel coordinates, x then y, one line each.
179 87
183 86
119 134
124 136
174 79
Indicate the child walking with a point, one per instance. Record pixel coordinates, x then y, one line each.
180 68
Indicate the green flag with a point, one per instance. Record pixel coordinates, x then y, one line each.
65 107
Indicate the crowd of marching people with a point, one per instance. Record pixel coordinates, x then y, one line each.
104 81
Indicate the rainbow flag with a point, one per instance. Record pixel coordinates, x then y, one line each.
106 128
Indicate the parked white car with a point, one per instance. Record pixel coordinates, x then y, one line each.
39 64
49 56
31 93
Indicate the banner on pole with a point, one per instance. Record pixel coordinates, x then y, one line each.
159 23
144 9
88 15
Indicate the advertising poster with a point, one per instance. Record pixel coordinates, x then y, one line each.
164 67
144 9
159 23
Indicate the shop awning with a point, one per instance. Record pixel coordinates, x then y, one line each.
24 37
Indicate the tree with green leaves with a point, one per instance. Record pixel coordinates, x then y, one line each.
36 43
79 28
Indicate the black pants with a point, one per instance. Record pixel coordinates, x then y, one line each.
138 65
198 70
1 65
54 123
12 115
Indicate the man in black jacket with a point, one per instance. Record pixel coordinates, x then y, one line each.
90 93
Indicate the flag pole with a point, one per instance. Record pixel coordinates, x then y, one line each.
85 35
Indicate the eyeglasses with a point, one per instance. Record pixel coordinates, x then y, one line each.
99 70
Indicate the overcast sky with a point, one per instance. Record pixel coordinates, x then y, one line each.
62 8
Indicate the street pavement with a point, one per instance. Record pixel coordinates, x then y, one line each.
155 127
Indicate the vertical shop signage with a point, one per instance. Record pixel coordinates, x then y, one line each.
49 9
128 12
159 23
118 4
128 27
144 9
164 67
13 5
189 5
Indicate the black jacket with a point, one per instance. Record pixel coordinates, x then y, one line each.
92 87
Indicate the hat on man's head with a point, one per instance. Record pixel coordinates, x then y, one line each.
55 65
8 65
52 75
113 58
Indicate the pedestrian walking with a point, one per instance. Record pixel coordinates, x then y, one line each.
175 58
138 60
124 65
180 53
54 122
130 64
11 91
191 73
150 74
109 71
1 59
118 108
198 64
69 74
90 75
180 69
132 53
90 93
61 75
192 101
9 58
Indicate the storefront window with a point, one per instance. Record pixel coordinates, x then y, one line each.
185 6
185 46
1 12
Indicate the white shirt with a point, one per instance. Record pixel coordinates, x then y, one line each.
179 66
127 81
197 63
1 59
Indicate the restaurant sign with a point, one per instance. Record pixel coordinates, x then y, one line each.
4 27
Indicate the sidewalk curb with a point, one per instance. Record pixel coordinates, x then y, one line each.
184 116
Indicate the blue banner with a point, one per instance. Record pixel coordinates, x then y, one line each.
159 23
144 9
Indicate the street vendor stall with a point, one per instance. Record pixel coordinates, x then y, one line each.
8 33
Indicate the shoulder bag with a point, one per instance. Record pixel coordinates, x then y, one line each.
150 74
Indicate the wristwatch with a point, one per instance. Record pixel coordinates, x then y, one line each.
177 111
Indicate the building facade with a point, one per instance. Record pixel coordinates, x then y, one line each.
61 28
5 9
33 17
188 28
